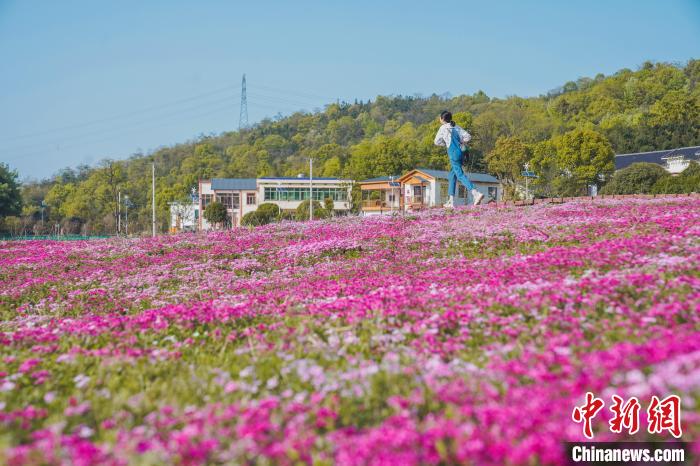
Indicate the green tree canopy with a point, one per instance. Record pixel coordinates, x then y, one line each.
583 157
216 214
506 161
302 212
10 195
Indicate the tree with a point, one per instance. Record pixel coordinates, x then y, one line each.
10 195
583 157
265 213
216 214
638 178
328 206
302 212
506 161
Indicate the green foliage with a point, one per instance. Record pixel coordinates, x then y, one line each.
506 161
265 213
638 178
10 195
302 212
655 107
216 214
688 181
584 157
253 219
328 206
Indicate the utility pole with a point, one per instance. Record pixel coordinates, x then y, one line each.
391 185
243 117
126 204
119 212
153 199
311 189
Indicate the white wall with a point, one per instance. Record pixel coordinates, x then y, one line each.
204 188
302 183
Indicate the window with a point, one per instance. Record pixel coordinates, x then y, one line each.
462 192
301 194
250 199
229 200
493 192
443 190
392 198
206 200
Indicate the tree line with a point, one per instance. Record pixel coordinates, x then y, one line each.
568 136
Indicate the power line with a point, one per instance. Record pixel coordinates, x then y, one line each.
122 115
298 93
129 124
140 128
122 131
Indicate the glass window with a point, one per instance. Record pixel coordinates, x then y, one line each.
250 198
206 200
302 194
225 199
493 192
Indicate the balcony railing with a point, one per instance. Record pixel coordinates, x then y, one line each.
379 204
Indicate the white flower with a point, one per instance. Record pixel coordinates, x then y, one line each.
7 386
81 380
271 383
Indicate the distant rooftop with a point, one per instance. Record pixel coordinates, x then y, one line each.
657 156
289 178
381 178
234 184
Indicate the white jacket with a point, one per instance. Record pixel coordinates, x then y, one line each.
444 135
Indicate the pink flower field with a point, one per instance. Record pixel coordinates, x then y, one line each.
444 337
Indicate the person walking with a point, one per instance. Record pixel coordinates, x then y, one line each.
453 137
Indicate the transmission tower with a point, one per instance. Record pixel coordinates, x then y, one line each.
243 117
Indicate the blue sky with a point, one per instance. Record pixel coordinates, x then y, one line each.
81 81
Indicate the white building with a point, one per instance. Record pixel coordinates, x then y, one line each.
289 192
238 195
243 195
184 216
674 160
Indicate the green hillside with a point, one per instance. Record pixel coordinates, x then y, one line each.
655 107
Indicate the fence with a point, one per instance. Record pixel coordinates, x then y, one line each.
53 237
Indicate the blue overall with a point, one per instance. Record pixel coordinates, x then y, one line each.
456 172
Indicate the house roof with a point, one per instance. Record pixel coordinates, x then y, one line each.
233 184
380 178
296 178
657 156
443 174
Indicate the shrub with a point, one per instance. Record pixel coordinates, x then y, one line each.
269 210
328 206
638 178
253 219
216 214
302 212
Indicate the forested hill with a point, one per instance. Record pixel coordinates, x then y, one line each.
655 107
